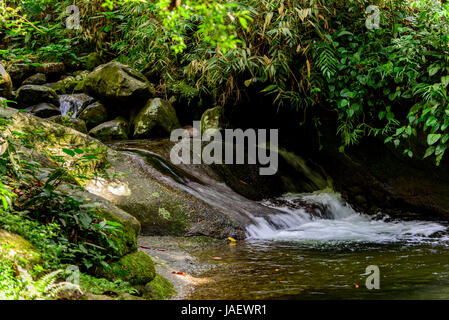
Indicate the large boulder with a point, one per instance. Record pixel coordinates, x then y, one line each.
162 208
116 129
136 268
5 83
74 123
45 110
70 84
94 114
31 94
118 83
157 118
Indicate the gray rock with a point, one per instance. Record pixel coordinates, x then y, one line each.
45 110
38 78
94 114
118 83
74 123
156 119
31 94
116 129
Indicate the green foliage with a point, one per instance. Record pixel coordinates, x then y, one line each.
44 288
102 286
302 54
17 283
62 226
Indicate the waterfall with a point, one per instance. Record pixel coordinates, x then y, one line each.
71 104
334 220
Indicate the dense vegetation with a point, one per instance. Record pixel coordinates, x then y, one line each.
307 55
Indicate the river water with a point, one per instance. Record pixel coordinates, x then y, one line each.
310 246
302 256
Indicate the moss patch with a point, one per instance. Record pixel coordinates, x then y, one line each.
135 268
15 247
159 289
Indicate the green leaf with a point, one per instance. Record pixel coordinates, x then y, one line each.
344 33
342 103
429 151
440 149
69 152
5 203
433 69
396 142
433 138
271 87
445 80
244 23
85 219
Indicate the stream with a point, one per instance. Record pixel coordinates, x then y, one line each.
309 245
305 257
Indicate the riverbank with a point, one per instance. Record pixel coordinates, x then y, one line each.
173 260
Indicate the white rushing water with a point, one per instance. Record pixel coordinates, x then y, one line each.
342 223
70 104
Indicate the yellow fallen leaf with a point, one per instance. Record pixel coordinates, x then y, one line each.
231 239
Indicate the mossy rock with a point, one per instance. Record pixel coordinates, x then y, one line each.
19 71
38 79
49 138
210 120
16 248
94 114
74 123
158 289
135 268
116 129
157 118
5 83
65 86
70 84
31 94
118 83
